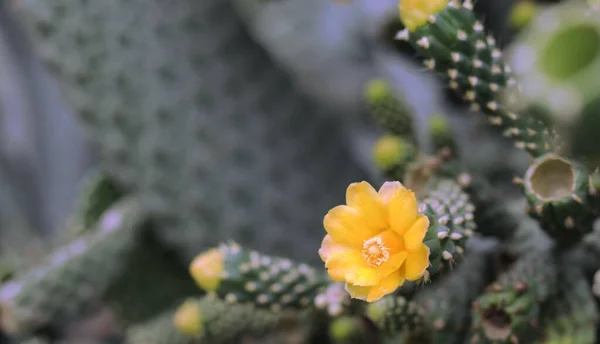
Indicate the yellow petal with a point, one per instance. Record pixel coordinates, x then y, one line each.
387 190
416 263
392 264
357 292
387 286
350 266
362 197
329 246
415 235
340 262
415 13
346 225
403 210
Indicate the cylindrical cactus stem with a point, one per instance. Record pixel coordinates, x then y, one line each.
74 276
98 193
440 313
212 320
392 155
492 216
589 258
135 297
395 314
451 217
446 305
246 276
390 111
571 317
509 311
557 190
455 44
442 136
160 329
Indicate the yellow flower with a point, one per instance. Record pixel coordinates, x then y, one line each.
416 13
207 269
375 242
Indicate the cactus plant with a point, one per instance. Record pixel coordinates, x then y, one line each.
183 248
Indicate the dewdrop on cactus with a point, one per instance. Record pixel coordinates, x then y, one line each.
375 242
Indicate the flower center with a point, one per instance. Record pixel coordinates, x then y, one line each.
375 252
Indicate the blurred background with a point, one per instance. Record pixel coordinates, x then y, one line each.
68 89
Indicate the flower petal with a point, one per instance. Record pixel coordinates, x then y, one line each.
357 292
413 239
387 190
329 246
340 261
403 210
346 225
392 264
416 263
350 266
362 197
387 285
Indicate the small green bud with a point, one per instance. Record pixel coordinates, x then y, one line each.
522 14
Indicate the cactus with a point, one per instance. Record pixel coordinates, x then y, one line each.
202 223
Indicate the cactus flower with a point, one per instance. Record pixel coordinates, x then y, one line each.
374 243
416 13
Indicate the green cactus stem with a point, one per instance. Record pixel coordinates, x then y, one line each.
440 313
557 190
98 193
492 216
442 135
395 314
456 46
451 217
158 330
392 155
390 111
571 317
241 275
509 311
74 276
557 63
447 305
134 296
212 320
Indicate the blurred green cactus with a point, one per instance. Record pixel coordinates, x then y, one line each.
206 143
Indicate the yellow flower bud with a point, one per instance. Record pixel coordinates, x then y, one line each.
207 269
188 319
390 150
415 13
